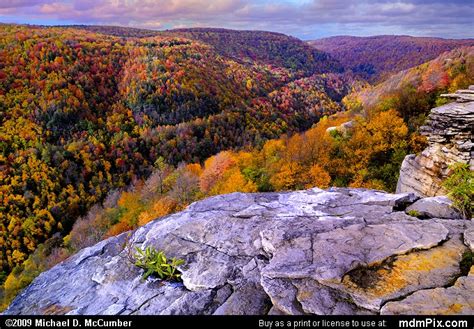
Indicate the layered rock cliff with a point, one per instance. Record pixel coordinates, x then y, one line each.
340 251
450 130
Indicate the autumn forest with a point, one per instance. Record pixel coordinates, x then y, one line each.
104 129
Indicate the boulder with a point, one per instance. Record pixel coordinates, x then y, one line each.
339 251
343 128
434 207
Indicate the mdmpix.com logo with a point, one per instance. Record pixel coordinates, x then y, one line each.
433 323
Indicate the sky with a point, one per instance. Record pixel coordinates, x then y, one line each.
305 19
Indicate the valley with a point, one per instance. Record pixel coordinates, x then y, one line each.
105 129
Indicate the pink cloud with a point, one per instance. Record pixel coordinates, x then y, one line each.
145 13
54 8
302 17
18 3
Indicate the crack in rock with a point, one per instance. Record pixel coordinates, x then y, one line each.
371 287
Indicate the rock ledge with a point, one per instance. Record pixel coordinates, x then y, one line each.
449 130
340 251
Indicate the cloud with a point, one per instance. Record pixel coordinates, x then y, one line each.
303 18
18 3
54 8
397 8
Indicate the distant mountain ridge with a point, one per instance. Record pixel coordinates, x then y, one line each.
270 48
377 57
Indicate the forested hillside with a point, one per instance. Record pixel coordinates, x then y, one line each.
376 58
267 47
83 113
415 91
251 47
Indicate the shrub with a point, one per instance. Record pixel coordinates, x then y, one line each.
460 187
413 213
467 261
155 262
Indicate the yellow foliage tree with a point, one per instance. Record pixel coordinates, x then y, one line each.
214 168
161 207
387 131
290 176
233 181
318 177
194 168
384 132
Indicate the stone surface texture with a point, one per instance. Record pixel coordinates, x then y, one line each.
435 207
339 251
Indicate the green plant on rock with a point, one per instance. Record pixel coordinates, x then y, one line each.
413 213
155 262
467 261
460 187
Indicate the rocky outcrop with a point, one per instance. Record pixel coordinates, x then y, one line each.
434 207
342 129
449 130
463 95
340 251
